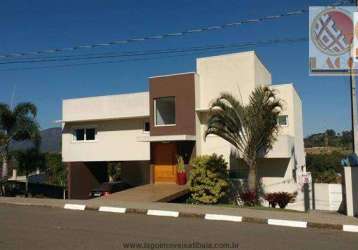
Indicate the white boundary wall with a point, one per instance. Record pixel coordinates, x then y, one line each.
327 196
351 182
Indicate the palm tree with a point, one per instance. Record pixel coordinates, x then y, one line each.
250 128
17 124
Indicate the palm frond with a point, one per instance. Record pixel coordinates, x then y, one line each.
25 109
252 128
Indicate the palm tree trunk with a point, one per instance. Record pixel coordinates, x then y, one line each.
4 165
252 177
27 185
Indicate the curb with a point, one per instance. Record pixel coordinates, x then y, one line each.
215 217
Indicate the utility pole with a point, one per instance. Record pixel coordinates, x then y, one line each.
354 112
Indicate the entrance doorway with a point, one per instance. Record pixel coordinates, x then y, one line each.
164 155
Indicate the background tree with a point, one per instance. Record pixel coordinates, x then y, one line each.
329 138
251 128
29 161
57 174
16 124
325 167
114 171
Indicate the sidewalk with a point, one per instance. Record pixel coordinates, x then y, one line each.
318 219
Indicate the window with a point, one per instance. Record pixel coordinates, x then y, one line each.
85 134
164 111
80 134
146 127
282 120
90 134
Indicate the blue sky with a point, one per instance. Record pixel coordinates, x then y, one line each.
36 25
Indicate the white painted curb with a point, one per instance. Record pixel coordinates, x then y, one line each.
120 210
162 213
287 223
223 217
350 228
75 207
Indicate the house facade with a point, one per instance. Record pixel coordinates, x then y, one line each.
146 131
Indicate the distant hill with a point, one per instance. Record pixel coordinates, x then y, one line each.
50 141
329 138
327 150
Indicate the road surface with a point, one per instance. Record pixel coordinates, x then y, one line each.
25 227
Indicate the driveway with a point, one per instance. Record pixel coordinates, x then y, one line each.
148 193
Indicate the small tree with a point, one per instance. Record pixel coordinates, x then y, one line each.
250 128
208 182
29 161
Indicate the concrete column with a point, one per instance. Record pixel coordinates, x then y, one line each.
351 188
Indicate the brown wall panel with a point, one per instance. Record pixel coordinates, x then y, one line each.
182 87
84 176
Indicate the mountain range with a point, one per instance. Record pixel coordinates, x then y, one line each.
50 141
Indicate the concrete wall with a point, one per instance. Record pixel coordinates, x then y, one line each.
237 73
106 107
292 107
351 189
327 196
116 140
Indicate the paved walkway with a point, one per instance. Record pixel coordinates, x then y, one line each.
148 193
313 216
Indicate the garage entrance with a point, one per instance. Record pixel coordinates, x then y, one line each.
164 155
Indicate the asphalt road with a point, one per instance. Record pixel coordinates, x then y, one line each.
24 227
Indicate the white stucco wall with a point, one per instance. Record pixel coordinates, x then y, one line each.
237 73
327 196
292 107
351 185
106 107
116 140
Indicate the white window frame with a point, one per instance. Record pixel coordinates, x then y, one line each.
283 125
155 113
74 140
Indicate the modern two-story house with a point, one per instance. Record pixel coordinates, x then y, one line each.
146 131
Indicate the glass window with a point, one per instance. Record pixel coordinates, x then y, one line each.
164 109
90 134
146 127
282 120
80 134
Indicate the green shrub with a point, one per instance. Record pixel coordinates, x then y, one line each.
208 182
